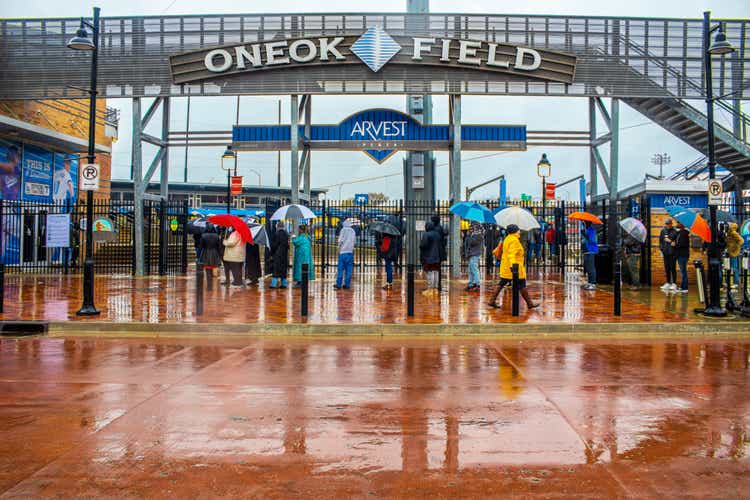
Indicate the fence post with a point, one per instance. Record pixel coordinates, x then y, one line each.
183 268
731 305
618 284
323 250
744 260
516 291
162 237
3 244
304 288
199 289
410 290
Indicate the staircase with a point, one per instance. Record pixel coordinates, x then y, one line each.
689 124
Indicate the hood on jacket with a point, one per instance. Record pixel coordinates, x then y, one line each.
733 226
347 223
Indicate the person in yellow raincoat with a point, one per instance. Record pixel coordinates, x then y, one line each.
513 253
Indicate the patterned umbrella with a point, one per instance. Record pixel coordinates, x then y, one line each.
692 221
293 211
470 210
634 228
260 236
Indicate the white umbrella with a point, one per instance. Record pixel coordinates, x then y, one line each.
293 212
518 216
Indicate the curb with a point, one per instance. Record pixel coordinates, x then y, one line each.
537 330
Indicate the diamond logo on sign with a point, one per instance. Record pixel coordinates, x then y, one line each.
89 177
375 48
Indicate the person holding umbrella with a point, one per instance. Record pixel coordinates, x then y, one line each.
302 255
473 244
681 246
632 249
388 244
430 255
513 253
667 237
234 257
590 250
253 271
210 256
280 257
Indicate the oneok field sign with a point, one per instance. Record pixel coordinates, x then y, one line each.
375 48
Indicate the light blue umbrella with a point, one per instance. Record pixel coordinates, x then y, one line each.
470 210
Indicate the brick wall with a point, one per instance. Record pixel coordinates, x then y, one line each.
658 216
66 116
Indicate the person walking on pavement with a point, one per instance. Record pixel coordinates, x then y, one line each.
389 248
682 254
429 248
512 253
590 250
234 257
667 236
347 238
472 250
734 246
280 257
302 255
443 232
210 256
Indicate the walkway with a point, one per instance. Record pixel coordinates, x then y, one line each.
274 418
172 300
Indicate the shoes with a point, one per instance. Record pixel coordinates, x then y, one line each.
388 286
493 305
337 287
673 287
345 287
665 286
589 286
681 291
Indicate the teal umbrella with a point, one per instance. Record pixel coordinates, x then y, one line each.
473 211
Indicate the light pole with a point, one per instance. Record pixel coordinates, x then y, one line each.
719 47
228 160
544 170
260 179
661 159
82 42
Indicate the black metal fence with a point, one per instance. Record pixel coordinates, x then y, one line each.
556 246
49 238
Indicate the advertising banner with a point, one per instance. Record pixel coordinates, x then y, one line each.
10 170
37 174
65 179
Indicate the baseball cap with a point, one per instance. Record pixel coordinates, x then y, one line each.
668 222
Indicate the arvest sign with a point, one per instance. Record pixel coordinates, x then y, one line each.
374 48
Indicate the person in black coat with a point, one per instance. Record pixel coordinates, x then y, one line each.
667 238
253 271
388 247
210 253
682 255
430 254
280 257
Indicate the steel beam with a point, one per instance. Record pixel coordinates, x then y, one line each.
150 112
307 100
593 176
137 152
164 181
294 148
614 150
455 183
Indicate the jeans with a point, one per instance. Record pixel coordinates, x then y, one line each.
669 268
388 271
589 267
682 261
474 270
734 264
433 279
344 273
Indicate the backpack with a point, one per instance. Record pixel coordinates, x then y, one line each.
385 245
498 251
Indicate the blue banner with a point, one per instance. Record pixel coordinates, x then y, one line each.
37 174
65 179
678 200
10 170
502 202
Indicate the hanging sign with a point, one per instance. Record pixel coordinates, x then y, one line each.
58 231
237 184
89 177
715 190
550 190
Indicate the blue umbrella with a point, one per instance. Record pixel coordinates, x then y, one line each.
692 221
470 210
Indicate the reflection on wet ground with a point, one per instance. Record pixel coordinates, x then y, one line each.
172 300
254 417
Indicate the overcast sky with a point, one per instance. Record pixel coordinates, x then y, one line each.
640 138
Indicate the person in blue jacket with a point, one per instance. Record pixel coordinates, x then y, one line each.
590 249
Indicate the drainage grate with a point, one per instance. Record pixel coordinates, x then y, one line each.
23 328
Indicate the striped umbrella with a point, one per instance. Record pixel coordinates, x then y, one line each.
692 221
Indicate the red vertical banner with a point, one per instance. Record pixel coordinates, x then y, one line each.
550 190
237 184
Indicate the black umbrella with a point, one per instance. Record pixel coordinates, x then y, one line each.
383 227
721 216
197 226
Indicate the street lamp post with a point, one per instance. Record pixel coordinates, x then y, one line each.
228 160
82 42
719 47
260 179
544 170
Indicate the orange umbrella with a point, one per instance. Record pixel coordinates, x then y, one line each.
585 217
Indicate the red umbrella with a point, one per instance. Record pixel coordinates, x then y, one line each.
227 220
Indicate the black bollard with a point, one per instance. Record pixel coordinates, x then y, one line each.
745 293
618 288
410 291
304 288
199 289
516 292
731 305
